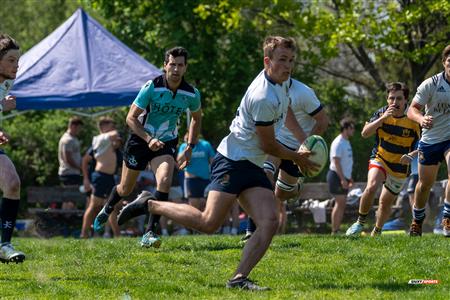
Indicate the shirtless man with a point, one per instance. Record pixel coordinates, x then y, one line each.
104 151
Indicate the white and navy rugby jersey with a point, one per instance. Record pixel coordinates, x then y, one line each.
434 94
264 103
305 105
163 108
5 87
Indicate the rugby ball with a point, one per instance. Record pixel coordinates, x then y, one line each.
316 144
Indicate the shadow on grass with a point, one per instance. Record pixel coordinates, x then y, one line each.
12 279
208 246
53 278
219 246
286 245
385 286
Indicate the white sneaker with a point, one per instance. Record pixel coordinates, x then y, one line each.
8 254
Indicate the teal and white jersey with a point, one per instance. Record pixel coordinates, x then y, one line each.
5 87
264 104
434 94
163 108
305 105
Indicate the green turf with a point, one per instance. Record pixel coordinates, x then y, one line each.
295 267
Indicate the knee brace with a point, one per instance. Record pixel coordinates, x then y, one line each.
270 167
287 187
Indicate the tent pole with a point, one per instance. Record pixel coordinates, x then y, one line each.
93 115
12 115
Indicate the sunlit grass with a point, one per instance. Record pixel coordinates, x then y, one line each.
295 267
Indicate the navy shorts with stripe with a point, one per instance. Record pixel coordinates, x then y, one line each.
234 177
137 154
432 154
291 168
102 184
194 187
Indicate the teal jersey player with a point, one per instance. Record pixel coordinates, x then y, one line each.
163 108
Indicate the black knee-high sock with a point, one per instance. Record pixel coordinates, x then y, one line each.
154 219
251 226
113 199
8 214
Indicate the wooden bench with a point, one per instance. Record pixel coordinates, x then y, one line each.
319 191
44 206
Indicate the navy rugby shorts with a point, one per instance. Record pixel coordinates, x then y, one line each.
432 154
234 177
102 184
194 187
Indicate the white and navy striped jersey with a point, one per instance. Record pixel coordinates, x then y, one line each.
434 94
265 103
305 105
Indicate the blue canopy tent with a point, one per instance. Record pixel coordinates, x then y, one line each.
80 65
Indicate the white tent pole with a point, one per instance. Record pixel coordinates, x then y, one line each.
12 115
78 113
93 115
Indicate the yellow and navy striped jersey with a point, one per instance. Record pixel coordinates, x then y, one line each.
395 137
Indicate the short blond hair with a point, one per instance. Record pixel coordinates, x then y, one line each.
273 42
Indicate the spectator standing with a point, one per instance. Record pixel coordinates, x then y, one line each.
339 175
104 151
69 155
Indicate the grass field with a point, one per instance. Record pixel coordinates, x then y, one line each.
295 267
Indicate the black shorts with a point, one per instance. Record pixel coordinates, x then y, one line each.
195 187
137 155
291 168
334 184
70 179
234 177
102 184
1 152
412 182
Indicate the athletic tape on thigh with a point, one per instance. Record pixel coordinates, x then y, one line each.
269 166
286 186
